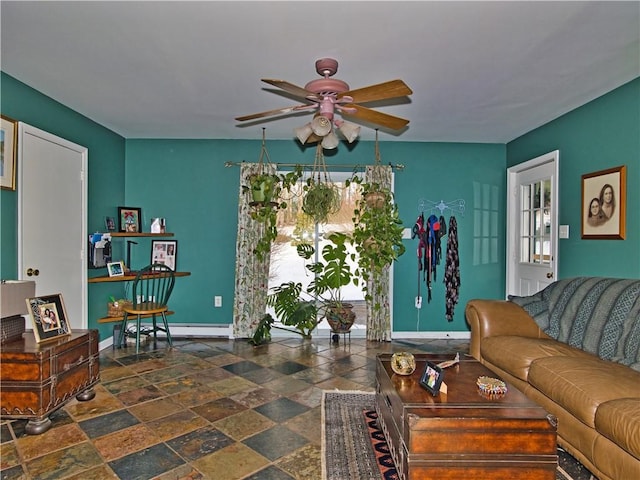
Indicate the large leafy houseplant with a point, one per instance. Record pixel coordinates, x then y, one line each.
300 310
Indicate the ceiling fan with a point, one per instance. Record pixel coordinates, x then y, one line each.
329 95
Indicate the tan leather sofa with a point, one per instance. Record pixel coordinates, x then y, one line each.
596 401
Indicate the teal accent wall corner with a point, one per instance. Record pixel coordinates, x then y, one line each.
599 135
106 161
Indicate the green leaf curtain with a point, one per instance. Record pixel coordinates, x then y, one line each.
379 320
252 275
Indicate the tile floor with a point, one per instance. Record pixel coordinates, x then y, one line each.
207 409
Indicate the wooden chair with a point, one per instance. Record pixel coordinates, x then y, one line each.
151 290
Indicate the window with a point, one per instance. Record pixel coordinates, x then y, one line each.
535 214
295 227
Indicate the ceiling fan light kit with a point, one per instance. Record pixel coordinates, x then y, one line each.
330 95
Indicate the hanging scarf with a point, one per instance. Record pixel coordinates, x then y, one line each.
452 270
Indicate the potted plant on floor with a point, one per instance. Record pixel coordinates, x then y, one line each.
300 310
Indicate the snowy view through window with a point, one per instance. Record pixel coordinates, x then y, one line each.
295 227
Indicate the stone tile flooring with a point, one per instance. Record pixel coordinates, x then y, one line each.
207 409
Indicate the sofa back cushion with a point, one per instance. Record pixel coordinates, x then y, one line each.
596 314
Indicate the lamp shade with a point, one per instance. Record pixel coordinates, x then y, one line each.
350 131
330 141
320 125
303 133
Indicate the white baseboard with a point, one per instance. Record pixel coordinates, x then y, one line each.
185 330
432 335
226 331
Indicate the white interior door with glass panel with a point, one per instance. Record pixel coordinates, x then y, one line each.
532 226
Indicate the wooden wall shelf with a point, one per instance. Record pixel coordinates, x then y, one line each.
140 234
127 278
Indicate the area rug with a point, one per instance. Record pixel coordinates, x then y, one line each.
353 447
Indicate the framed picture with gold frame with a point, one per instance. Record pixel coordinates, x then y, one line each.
8 152
48 317
604 204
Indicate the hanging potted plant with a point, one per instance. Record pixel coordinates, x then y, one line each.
267 191
322 197
300 310
377 231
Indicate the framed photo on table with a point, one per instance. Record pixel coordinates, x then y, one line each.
115 269
129 219
431 378
165 252
49 317
604 204
8 152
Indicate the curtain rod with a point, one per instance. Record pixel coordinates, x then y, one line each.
397 166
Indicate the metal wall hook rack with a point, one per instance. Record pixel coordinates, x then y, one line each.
455 206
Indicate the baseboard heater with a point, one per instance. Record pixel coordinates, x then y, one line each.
182 330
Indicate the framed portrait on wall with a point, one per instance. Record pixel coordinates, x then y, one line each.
8 152
604 204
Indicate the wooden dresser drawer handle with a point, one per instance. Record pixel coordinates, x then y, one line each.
387 400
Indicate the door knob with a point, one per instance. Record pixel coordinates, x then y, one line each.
33 272
550 275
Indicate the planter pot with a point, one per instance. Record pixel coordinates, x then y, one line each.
341 318
375 199
371 245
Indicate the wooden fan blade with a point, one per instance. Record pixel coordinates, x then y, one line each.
380 91
373 116
292 89
278 111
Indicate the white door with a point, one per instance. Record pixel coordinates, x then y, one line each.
532 224
52 231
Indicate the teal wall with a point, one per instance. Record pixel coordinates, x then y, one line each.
602 134
186 182
106 161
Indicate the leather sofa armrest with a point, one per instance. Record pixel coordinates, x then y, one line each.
488 318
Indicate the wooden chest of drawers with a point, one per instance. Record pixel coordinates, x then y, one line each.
37 379
462 434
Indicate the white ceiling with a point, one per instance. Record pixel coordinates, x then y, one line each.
480 71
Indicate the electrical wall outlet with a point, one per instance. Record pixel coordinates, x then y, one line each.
418 302
217 301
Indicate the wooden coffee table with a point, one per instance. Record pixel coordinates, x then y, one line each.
463 434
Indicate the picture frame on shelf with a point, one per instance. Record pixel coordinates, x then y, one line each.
48 317
130 219
110 224
604 204
115 269
165 252
8 152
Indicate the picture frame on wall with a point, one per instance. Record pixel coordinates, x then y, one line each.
604 204
48 317
165 252
8 152
130 219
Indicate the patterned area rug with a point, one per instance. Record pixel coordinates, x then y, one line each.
353 447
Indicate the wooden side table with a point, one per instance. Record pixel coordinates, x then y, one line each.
37 379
